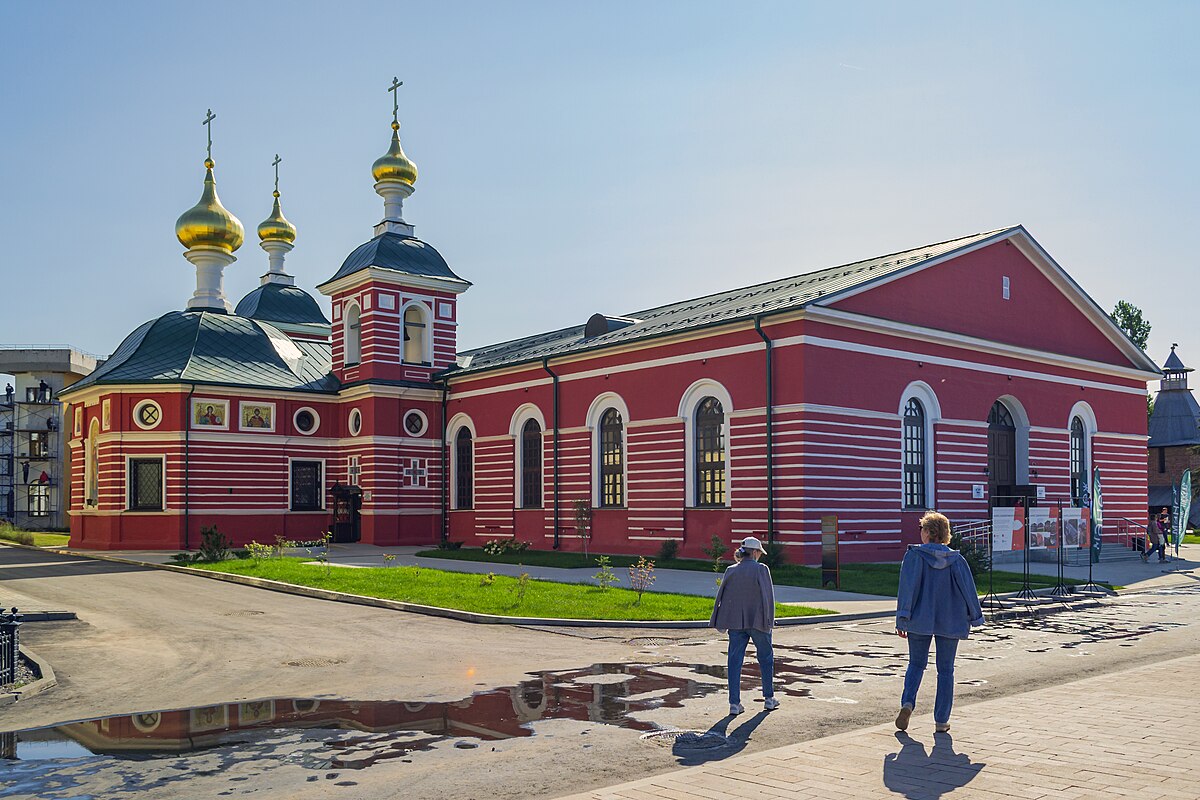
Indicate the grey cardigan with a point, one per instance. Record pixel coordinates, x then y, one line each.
745 599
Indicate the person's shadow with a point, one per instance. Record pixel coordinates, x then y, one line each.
692 749
908 772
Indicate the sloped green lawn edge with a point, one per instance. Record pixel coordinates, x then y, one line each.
469 592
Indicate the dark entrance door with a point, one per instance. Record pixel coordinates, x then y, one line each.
1002 452
347 500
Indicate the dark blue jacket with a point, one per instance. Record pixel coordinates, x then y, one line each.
937 594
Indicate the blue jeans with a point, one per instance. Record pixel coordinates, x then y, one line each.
1160 548
918 659
737 654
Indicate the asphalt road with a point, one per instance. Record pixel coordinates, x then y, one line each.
149 640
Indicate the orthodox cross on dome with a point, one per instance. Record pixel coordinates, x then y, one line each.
208 124
275 164
396 84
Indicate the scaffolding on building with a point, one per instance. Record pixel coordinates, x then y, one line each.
31 454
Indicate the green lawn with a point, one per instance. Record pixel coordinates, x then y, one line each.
1191 538
9 533
880 579
466 592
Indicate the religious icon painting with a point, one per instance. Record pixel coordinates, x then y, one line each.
78 421
257 711
210 414
106 414
257 416
209 718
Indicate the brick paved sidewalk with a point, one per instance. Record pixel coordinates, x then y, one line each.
1127 734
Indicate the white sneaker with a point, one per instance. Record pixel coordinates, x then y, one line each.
770 704
735 709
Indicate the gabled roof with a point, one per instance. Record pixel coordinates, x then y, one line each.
723 307
278 302
399 253
216 349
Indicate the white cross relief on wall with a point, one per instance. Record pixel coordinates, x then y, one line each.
416 474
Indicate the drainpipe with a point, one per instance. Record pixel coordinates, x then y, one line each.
554 377
187 470
445 466
770 432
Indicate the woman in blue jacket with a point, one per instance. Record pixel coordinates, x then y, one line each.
937 602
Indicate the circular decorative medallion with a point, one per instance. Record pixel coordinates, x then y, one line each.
147 414
415 423
355 422
306 421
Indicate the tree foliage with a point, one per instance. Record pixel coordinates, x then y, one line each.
1129 319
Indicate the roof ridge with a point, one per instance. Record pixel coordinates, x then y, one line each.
823 269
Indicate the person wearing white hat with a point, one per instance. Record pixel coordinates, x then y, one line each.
745 606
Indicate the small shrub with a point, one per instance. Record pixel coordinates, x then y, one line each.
214 545
518 546
773 555
321 546
487 580
716 551
641 577
975 554
449 545
281 544
522 586
583 522
498 547
11 534
605 578
668 550
259 552
389 559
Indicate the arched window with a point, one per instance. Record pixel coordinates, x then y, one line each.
1002 446
91 481
416 335
464 469
710 453
531 464
352 335
612 459
915 496
1079 459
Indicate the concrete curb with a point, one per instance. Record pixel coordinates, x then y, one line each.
46 680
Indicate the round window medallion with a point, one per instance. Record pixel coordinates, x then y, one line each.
147 722
415 423
355 422
147 414
306 421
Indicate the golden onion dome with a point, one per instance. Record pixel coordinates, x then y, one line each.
276 228
208 223
394 165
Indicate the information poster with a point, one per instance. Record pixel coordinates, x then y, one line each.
1008 529
830 573
1075 527
1043 528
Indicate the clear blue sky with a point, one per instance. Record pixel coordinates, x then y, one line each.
602 157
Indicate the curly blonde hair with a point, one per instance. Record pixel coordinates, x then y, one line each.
937 526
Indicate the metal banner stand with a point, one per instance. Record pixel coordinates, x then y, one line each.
1026 592
1061 589
990 600
1091 588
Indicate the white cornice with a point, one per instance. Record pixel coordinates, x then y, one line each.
392 277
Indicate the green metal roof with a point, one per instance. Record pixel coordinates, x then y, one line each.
399 253
216 349
277 302
729 306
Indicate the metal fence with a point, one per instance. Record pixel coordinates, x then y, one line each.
10 645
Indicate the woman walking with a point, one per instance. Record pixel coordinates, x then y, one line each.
745 606
937 603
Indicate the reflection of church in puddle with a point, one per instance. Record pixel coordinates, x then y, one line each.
957 375
610 694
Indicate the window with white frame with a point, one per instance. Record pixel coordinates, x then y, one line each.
307 492
39 500
612 459
145 483
464 468
1079 460
416 335
710 453
531 464
915 453
352 335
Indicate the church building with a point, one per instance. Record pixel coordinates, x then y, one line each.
953 376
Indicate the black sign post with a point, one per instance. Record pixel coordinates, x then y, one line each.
830 565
